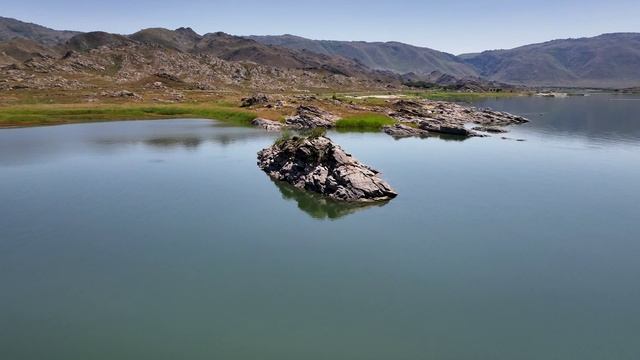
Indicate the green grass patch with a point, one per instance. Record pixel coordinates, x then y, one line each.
364 122
463 96
61 114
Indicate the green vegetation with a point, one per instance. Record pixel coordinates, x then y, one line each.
364 122
284 137
61 114
462 96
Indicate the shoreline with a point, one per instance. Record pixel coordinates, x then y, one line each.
30 109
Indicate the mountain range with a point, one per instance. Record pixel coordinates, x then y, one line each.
606 61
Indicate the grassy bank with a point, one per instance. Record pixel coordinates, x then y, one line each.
364 122
16 116
463 96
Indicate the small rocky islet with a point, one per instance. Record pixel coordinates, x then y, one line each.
317 164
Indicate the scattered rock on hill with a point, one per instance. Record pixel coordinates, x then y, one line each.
122 94
317 164
255 100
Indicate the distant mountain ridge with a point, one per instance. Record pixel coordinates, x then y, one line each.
609 60
226 47
605 61
391 56
12 28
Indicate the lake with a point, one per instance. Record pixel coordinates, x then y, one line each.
163 240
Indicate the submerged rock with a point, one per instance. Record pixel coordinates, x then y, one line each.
317 164
402 131
490 129
308 117
447 128
269 125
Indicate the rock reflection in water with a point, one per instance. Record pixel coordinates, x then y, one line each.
319 207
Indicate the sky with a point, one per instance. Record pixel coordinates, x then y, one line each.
455 26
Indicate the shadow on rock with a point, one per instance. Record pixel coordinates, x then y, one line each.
320 207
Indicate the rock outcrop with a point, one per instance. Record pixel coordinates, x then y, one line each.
450 118
317 164
399 131
309 117
255 100
269 125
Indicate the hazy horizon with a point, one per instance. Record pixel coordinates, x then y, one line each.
461 27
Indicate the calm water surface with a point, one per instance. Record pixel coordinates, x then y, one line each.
163 240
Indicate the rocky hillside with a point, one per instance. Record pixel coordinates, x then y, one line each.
219 44
391 56
103 61
12 28
18 50
611 60
606 61
234 48
180 58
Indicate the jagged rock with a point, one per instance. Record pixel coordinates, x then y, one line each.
450 118
308 117
317 164
255 100
402 131
269 125
442 127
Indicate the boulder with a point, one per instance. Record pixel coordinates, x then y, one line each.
317 164
443 127
402 131
308 117
269 125
490 129
255 100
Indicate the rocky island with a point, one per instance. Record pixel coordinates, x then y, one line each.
317 164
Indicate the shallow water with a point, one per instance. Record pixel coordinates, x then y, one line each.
163 240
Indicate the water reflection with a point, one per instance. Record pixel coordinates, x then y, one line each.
600 118
319 207
45 144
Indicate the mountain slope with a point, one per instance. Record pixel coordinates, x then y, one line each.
391 56
183 39
235 48
12 28
610 60
18 50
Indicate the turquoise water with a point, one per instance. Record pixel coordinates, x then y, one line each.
163 240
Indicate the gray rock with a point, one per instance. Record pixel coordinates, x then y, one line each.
319 165
269 125
490 129
255 100
450 118
403 131
308 117
443 127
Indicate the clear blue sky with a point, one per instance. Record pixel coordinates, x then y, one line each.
455 26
